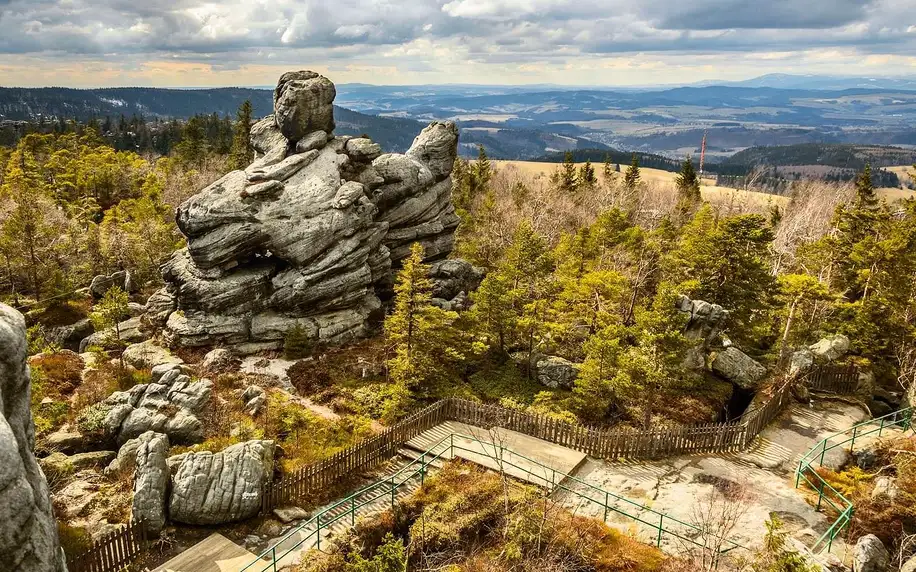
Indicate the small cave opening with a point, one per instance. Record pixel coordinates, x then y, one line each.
737 404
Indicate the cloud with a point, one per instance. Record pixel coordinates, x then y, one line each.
439 36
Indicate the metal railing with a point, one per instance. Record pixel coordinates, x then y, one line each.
346 510
826 494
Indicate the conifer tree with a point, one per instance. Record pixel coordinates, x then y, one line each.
107 315
632 176
586 178
481 173
607 171
688 190
242 153
566 178
421 336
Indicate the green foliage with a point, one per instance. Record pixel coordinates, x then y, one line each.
424 344
565 179
242 152
586 179
297 344
776 555
38 341
688 190
390 556
108 312
632 176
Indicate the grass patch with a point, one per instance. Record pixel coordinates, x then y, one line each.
60 313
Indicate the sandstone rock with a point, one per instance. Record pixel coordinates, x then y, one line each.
168 407
151 480
102 283
308 238
739 368
254 398
131 331
909 566
66 440
454 276
219 360
61 464
159 307
830 348
885 487
289 514
800 362
69 337
216 488
147 355
303 103
174 462
553 371
705 320
870 555
28 531
266 136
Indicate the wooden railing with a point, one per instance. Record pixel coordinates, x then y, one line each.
653 443
842 379
113 551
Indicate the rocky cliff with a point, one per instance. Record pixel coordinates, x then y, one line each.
308 233
28 531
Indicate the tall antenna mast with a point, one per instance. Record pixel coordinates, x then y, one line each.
703 151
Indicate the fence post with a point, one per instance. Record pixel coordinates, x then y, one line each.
881 428
606 499
823 452
353 511
661 523
820 494
852 444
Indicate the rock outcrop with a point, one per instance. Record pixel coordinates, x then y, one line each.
28 531
169 405
830 348
215 488
151 480
705 320
102 283
308 233
738 368
870 555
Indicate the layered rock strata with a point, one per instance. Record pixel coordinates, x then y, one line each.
308 233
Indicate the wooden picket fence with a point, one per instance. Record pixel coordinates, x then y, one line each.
114 551
626 443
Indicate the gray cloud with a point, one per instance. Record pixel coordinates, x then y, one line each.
492 31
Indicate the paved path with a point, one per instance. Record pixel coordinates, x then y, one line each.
685 487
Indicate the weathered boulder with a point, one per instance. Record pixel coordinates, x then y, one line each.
870 555
103 283
830 348
28 531
705 320
216 488
66 440
169 406
303 103
130 331
254 398
219 360
800 361
738 368
69 337
909 566
453 276
306 235
885 487
151 480
288 514
58 463
159 306
553 371
148 354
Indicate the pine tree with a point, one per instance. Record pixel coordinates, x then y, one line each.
566 178
688 190
607 171
107 315
422 337
866 198
631 178
586 178
242 153
481 173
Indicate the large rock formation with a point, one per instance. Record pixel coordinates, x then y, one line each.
28 532
738 368
215 488
308 232
151 480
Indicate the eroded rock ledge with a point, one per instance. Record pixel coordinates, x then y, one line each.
308 233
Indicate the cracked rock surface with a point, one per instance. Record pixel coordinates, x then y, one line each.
28 531
215 488
308 233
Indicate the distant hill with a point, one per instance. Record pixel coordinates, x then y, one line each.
844 156
54 103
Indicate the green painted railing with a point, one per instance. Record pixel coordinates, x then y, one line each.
826 494
346 509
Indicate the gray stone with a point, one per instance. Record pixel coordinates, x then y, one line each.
170 369
870 555
147 355
129 331
151 480
453 276
288 514
159 307
102 283
307 239
800 362
60 464
135 310
738 368
303 103
705 321
219 360
28 531
67 441
69 337
885 487
266 136
553 371
216 488
830 348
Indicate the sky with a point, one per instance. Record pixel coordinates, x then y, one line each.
203 43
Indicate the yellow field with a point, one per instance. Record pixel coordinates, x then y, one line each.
711 192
